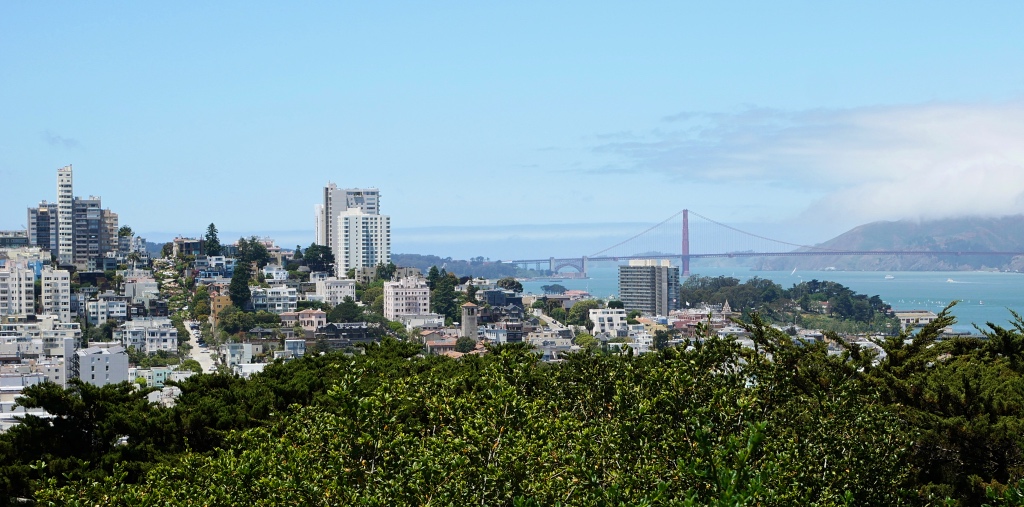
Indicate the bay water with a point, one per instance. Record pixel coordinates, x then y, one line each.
983 296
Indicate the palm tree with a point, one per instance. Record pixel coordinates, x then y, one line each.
133 257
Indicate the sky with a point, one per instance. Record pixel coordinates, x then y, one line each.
512 129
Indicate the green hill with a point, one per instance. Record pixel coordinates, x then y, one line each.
1001 234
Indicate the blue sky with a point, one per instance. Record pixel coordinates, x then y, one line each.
797 118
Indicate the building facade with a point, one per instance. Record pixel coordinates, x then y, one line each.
17 289
362 240
608 320
148 335
65 216
335 202
408 296
56 293
651 286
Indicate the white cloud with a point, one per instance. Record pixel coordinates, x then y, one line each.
925 161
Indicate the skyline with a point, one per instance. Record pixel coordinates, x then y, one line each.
237 114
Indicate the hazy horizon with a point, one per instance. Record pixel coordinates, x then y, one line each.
811 118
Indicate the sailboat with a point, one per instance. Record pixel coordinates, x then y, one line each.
791 273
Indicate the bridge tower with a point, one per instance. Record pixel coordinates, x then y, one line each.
686 243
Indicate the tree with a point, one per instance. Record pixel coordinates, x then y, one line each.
212 243
553 289
465 344
510 283
385 272
346 311
238 289
586 341
297 256
253 250
616 304
661 338
125 232
319 258
471 293
443 298
191 365
433 275
579 314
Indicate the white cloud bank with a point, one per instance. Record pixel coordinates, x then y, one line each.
927 161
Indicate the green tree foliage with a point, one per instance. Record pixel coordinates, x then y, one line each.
238 289
773 301
346 311
553 289
125 232
586 341
443 299
297 256
579 314
253 250
465 344
616 304
191 365
433 275
212 242
385 272
510 283
200 306
319 258
233 320
789 423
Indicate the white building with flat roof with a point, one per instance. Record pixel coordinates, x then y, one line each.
608 320
333 290
361 240
337 201
408 296
56 293
17 289
275 299
148 334
100 366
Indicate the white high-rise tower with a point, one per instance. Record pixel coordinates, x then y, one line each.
65 216
336 202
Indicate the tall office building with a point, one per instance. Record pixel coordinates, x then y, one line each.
42 227
65 216
362 240
337 201
650 286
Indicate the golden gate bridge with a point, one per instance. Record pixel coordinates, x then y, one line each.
706 239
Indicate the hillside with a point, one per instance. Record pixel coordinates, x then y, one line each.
952 235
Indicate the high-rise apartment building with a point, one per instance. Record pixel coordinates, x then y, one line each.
56 293
362 240
337 201
42 227
65 216
651 286
75 230
17 289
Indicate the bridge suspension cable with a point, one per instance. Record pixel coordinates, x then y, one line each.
645 231
720 224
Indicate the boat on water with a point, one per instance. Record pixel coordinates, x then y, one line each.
950 280
889 277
